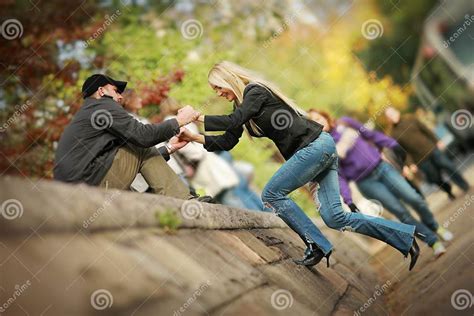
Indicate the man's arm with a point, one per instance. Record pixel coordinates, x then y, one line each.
124 126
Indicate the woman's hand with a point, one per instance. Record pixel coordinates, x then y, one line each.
188 136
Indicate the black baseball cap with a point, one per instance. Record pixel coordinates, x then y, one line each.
96 81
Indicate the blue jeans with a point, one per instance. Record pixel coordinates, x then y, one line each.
240 197
317 162
388 186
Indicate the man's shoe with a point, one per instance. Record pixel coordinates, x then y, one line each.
445 234
438 249
205 199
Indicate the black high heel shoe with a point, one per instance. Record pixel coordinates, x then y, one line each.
414 254
312 256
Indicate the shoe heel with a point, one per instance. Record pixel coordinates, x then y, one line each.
327 258
414 254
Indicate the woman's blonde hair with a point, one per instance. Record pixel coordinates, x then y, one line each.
234 77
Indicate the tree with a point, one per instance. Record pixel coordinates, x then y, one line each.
403 26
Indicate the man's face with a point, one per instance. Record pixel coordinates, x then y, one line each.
111 91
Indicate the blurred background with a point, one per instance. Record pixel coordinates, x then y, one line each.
345 57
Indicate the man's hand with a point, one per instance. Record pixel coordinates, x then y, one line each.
406 172
187 115
175 144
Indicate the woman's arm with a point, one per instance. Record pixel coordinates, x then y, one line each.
226 141
251 105
199 139
378 138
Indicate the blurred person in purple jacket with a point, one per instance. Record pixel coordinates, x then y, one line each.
360 160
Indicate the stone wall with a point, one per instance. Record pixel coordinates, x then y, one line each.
78 250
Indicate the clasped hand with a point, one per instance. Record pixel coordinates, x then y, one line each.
185 116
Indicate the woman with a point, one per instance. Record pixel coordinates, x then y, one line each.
310 157
360 160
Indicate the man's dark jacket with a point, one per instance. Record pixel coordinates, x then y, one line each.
89 143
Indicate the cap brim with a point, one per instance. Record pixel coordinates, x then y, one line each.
120 85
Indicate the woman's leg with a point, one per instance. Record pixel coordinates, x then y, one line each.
398 235
400 188
415 187
301 168
374 188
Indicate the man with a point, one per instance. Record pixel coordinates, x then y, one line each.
423 148
104 146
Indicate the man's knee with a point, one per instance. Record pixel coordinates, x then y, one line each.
162 179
